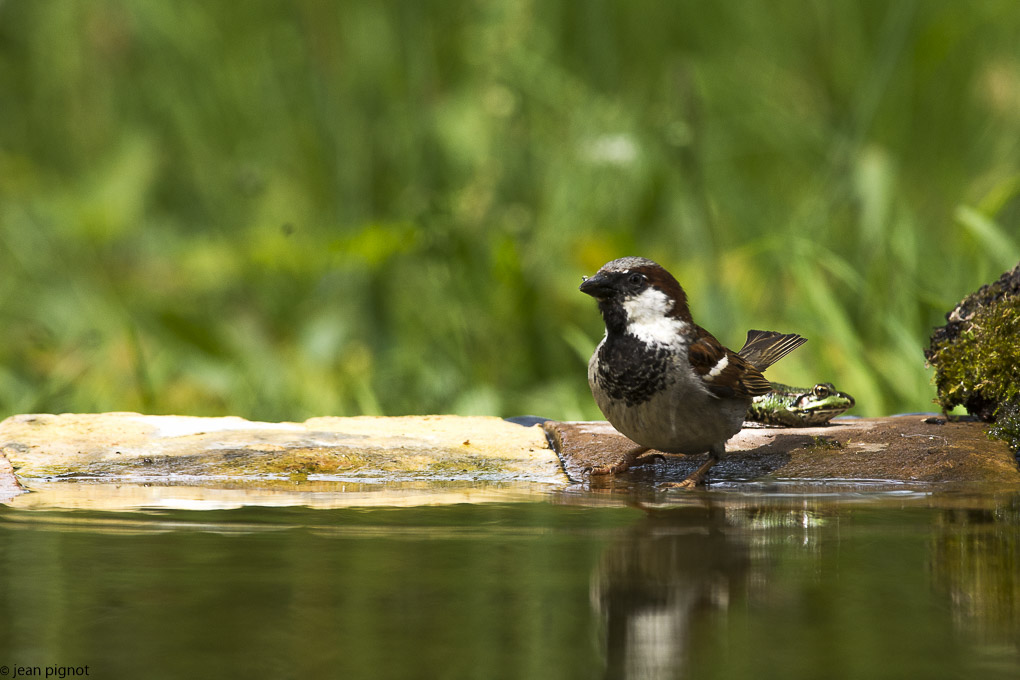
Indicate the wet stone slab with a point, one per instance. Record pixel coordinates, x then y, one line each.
132 460
128 460
900 449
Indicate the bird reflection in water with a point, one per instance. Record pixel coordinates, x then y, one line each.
655 585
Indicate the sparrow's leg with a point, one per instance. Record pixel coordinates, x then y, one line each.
629 459
697 477
649 456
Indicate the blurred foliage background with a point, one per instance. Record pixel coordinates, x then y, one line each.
288 208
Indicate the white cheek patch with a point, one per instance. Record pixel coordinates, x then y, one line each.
647 318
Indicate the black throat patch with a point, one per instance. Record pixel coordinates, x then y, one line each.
631 370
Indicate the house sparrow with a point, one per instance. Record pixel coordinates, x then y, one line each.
663 381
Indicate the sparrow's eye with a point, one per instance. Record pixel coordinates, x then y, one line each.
636 278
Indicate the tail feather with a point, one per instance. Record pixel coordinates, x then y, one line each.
764 348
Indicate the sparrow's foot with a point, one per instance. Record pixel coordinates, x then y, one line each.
629 460
697 478
602 470
688 483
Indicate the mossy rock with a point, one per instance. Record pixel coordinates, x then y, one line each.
1007 427
976 355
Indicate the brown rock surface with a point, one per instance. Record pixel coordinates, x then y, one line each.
895 449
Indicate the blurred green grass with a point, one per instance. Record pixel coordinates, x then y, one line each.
286 209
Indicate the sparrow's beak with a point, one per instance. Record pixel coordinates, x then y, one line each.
597 286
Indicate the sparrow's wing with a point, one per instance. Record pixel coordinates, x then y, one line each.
764 348
724 372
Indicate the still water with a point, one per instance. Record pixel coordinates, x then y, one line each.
723 583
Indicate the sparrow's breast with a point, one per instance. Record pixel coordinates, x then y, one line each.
651 394
630 371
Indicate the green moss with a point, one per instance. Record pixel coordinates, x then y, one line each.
1007 427
825 444
980 367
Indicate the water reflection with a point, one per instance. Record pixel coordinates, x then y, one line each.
652 587
705 585
976 565
828 576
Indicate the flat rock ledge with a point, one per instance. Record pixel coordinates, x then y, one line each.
128 460
916 449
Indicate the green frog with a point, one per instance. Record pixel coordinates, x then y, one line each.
799 407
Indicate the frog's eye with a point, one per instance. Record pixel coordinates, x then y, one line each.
583 278
821 391
636 278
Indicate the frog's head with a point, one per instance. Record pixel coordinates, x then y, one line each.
820 404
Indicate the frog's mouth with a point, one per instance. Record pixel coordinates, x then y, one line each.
817 415
820 410
802 405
